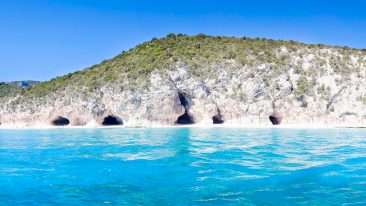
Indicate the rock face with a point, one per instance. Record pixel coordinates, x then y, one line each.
313 86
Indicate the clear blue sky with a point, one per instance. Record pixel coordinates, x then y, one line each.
41 39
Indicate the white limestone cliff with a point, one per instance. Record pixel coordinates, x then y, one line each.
233 95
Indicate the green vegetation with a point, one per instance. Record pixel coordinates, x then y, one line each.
362 98
197 53
7 90
324 92
304 86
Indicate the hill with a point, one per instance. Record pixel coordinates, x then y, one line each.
24 84
11 89
8 90
203 79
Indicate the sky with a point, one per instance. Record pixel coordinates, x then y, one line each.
42 39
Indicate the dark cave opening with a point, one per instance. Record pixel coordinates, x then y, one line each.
61 121
185 119
217 119
111 120
274 120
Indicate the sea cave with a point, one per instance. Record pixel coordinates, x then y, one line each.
60 121
186 118
217 119
111 120
274 120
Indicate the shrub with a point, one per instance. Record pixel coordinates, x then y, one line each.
303 86
196 52
7 90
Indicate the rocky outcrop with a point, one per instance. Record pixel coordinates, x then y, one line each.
307 90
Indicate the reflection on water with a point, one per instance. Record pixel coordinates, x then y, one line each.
183 166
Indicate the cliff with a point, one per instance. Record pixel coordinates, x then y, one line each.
203 80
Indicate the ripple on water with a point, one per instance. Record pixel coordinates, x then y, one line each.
183 166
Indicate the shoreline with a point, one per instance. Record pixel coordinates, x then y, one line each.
48 127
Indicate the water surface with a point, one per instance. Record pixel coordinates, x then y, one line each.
183 166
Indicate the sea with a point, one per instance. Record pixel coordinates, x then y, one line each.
183 166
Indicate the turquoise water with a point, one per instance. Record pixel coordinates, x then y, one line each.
183 166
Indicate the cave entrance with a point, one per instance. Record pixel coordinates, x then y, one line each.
217 119
60 121
185 118
274 120
111 120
